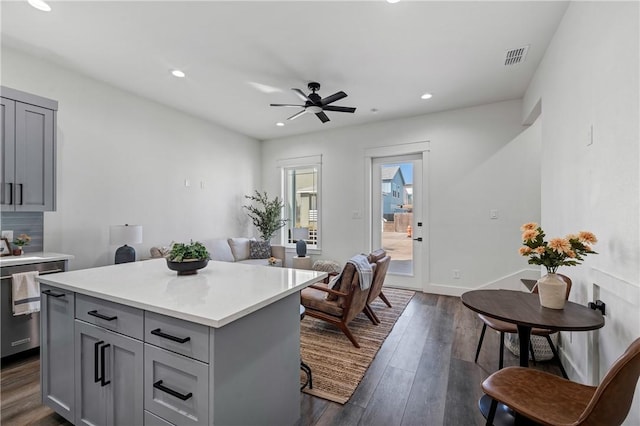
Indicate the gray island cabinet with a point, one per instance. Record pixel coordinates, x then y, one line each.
135 344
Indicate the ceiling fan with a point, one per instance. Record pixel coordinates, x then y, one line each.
315 104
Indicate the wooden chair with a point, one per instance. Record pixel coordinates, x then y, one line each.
382 261
337 306
505 327
550 400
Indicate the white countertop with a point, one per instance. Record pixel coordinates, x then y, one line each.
36 257
217 295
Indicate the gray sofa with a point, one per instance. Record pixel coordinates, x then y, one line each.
239 250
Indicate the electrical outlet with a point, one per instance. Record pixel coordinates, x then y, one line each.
456 273
493 213
8 235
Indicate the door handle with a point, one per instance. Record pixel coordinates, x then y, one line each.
159 333
417 239
158 385
21 194
52 294
10 193
103 382
95 313
96 361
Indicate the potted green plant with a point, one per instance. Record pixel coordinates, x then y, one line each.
186 259
265 214
22 240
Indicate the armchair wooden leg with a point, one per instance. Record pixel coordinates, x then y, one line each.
484 329
384 299
371 315
347 333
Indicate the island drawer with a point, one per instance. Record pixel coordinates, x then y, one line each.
112 316
176 388
184 337
153 420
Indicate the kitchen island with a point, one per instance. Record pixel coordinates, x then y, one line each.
136 344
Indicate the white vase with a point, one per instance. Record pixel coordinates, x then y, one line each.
552 291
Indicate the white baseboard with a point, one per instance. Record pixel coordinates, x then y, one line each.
508 282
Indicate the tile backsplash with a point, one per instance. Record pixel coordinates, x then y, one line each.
30 223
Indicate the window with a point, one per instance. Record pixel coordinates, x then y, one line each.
301 195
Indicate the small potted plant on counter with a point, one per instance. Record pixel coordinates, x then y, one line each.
186 259
22 240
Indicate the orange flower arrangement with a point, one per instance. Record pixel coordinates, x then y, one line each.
567 251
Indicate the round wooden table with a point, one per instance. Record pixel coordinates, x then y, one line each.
523 309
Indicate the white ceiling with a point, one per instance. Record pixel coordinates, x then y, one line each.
384 56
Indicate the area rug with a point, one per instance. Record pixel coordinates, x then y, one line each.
337 365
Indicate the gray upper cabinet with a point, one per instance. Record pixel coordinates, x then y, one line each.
28 130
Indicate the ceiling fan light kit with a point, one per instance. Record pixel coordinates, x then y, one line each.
314 104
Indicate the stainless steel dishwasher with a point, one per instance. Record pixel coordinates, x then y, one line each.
22 332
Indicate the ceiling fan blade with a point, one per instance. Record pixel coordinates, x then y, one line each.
297 114
302 96
338 108
322 116
288 105
333 98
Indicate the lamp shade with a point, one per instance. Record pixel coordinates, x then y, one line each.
300 234
125 234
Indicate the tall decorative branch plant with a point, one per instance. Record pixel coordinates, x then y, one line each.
265 214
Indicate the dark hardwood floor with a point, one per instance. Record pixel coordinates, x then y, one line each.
424 374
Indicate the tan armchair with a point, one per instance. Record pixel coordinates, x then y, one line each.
337 306
381 260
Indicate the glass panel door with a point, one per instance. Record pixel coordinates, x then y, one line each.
396 216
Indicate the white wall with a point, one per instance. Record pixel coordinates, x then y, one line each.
589 77
124 159
477 162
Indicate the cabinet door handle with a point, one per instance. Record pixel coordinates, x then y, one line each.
158 385
52 294
21 194
96 361
159 333
95 313
10 193
103 382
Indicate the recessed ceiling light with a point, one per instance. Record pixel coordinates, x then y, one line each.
40 5
392 1
280 124
178 73
426 96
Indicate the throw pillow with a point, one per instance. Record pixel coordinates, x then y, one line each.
259 249
220 250
239 248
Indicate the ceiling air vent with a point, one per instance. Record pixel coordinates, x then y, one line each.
515 56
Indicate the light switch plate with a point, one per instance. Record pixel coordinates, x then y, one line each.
8 235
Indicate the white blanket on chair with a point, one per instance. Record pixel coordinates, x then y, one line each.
365 273
25 293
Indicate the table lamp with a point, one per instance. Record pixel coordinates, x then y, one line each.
299 236
125 234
